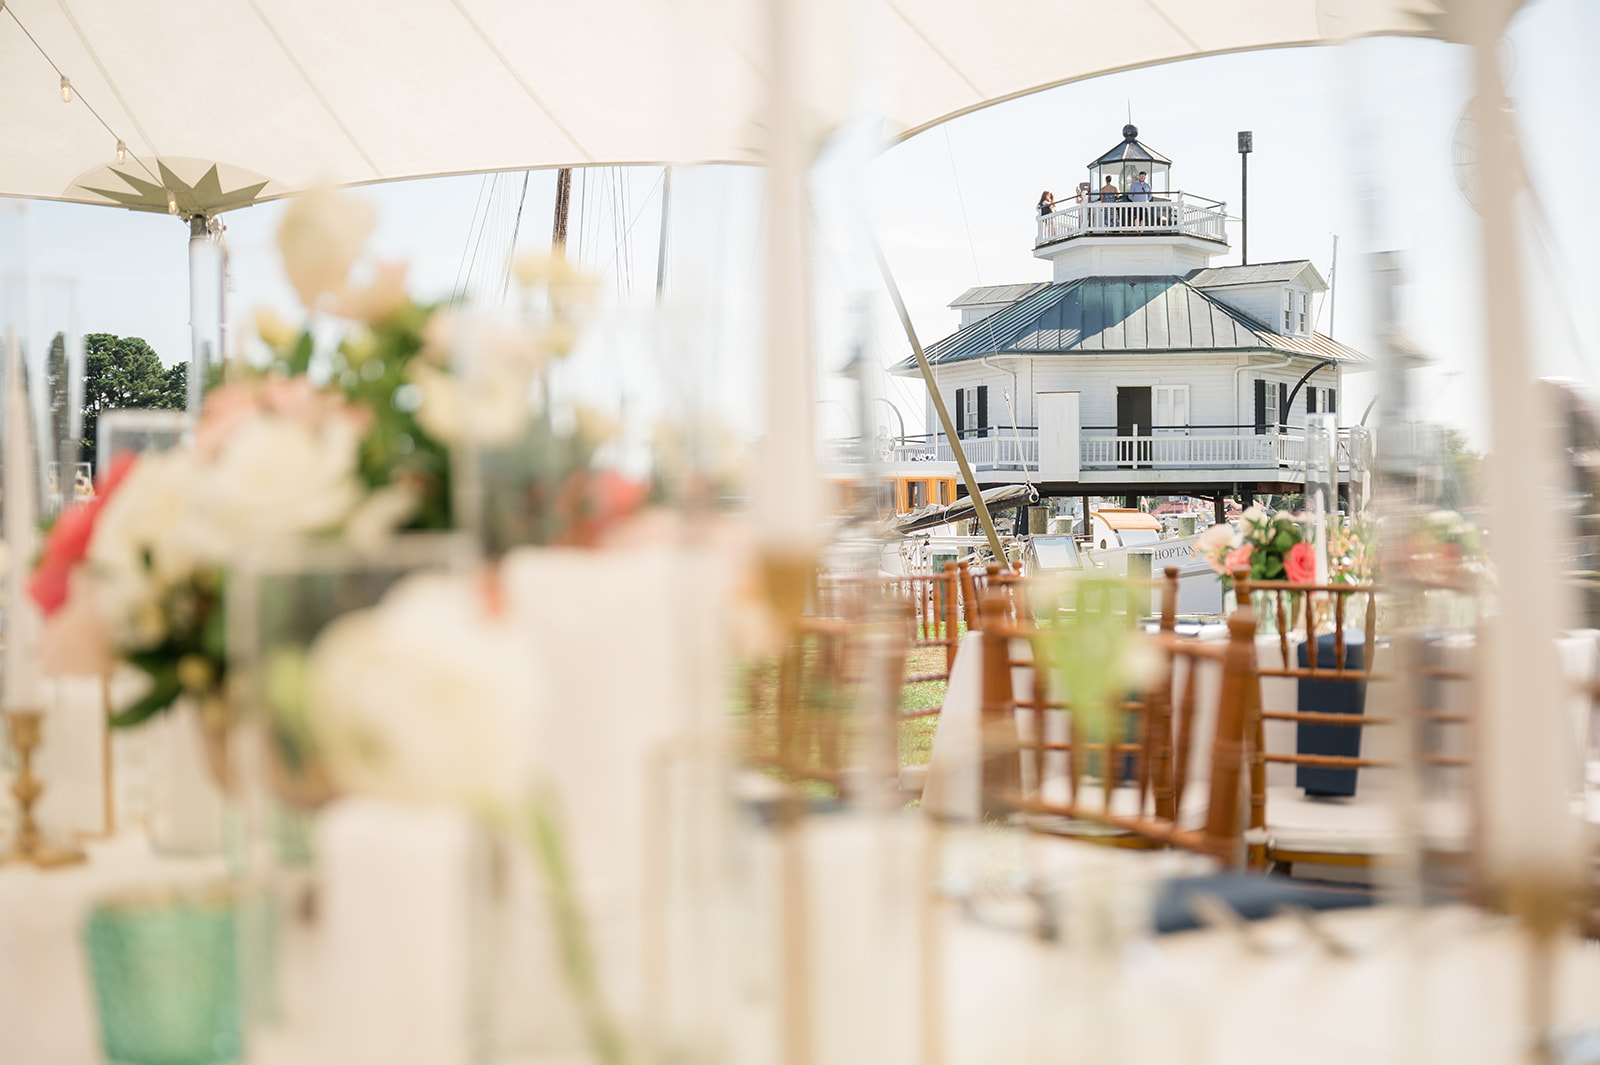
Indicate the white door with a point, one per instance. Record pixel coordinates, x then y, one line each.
1058 436
1170 405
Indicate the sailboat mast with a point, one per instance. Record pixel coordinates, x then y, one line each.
558 231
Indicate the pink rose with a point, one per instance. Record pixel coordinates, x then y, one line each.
1238 559
1301 563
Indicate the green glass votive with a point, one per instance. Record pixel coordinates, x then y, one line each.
166 978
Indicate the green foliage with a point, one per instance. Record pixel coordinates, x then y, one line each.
1463 471
370 368
125 373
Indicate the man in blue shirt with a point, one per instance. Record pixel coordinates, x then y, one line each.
1139 192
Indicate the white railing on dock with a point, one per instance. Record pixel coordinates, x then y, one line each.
1173 212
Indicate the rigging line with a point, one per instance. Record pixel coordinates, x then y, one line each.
306 77
936 50
83 99
627 246
625 250
483 227
637 215
583 214
613 201
535 97
1170 21
455 289
618 221
962 200
516 227
474 229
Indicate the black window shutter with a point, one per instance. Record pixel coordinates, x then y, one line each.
961 412
1283 403
983 410
1261 407
1332 407
1311 401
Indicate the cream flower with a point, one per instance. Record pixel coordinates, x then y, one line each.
376 301
1254 522
273 329
492 410
321 237
425 698
1217 537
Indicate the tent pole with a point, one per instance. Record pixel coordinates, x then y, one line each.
967 477
205 308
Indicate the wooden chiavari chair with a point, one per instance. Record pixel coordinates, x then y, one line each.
1146 809
1306 819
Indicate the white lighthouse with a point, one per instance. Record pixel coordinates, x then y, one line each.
1138 368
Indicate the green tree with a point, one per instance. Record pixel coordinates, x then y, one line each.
123 373
1463 470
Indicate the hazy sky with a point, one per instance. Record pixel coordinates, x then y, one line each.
1357 141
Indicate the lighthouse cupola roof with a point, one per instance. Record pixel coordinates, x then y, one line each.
1126 161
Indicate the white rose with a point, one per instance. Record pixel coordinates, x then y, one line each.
425 698
140 522
275 477
492 410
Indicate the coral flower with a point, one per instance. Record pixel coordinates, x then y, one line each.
1301 563
1238 558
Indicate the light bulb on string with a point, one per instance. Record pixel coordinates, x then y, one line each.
66 89
172 202
122 151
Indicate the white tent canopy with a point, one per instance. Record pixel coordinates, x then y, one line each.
281 95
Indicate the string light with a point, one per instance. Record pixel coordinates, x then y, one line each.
66 89
122 151
172 203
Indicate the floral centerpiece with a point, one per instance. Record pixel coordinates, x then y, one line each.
138 573
348 442
1272 548
1351 559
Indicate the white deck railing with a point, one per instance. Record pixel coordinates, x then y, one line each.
1000 450
1161 449
1167 212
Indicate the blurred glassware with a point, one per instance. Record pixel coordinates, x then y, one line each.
166 979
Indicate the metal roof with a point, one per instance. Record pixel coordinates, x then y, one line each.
1130 150
1122 314
1255 274
988 295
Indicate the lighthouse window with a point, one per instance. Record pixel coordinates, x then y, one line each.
1288 310
1305 310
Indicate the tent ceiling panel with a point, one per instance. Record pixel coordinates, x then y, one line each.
297 92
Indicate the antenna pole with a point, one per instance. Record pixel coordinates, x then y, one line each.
1246 146
1333 277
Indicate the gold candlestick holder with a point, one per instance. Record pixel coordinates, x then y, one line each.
24 728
